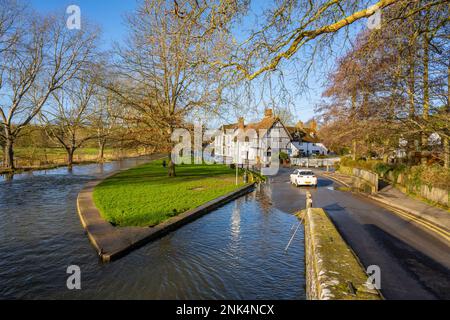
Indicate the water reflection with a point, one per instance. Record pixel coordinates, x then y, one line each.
234 252
236 220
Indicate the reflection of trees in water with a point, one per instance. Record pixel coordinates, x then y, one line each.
101 167
9 176
264 197
236 220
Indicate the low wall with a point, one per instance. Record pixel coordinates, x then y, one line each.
332 270
361 178
314 162
434 194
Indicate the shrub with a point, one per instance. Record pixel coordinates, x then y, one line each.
360 163
337 165
414 177
435 176
382 168
283 156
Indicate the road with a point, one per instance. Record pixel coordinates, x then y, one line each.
414 263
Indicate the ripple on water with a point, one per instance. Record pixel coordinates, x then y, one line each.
235 252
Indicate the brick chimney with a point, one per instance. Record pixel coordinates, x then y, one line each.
241 123
268 113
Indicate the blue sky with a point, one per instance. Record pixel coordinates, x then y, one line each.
109 15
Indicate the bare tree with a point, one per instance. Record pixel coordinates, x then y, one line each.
392 85
292 26
70 112
44 56
163 71
105 120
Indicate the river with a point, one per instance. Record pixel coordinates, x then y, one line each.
234 252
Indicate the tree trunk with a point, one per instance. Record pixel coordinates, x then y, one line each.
4 155
446 153
70 152
171 167
446 140
426 88
101 152
354 93
9 153
411 84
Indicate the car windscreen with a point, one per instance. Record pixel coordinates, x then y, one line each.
306 173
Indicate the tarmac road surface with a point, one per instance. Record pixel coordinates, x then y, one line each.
414 263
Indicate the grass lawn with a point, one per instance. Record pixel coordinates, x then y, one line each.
29 152
146 196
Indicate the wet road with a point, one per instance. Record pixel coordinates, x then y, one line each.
413 263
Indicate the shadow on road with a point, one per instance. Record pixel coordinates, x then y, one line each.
433 276
406 273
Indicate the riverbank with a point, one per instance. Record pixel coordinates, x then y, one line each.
31 159
144 185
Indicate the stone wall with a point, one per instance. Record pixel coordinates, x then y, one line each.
332 270
434 194
362 179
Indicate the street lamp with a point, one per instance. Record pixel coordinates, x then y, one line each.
237 157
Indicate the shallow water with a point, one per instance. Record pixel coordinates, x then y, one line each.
236 251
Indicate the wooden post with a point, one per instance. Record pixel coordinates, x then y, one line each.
309 201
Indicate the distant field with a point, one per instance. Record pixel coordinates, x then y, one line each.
29 152
36 157
146 196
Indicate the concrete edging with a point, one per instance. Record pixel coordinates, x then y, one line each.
112 242
333 271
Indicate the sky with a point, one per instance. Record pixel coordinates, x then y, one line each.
109 15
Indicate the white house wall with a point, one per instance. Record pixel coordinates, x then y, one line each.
226 147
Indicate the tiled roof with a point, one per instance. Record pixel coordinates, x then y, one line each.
311 139
229 126
265 123
309 134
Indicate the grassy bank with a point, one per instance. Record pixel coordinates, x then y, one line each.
145 196
30 158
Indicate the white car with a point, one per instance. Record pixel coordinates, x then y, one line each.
303 178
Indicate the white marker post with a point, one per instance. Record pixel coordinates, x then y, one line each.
237 157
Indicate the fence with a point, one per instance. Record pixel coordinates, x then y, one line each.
315 163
